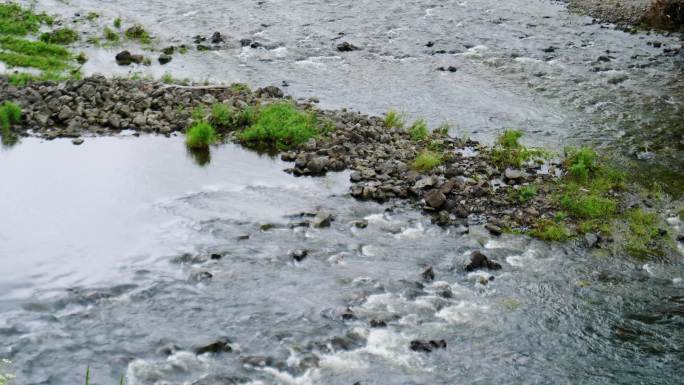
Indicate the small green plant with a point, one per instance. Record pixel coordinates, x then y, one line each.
394 119
419 130
81 58
508 152
63 36
92 16
525 193
111 35
117 23
167 78
137 32
443 129
221 115
87 376
427 160
581 162
200 135
436 145
280 126
10 113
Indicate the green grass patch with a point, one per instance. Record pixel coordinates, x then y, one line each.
508 152
427 160
419 130
394 119
524 194
645 238
200 135
46 63
137 32
63 36
21 79
37 48
15 20
92 16
110 35
552 231
117 23
280 126
167 78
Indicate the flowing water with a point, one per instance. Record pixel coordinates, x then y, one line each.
126 254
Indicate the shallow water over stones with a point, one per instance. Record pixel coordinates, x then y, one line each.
157 258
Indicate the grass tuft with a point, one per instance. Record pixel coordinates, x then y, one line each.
200 136
508 152
10 113
239 88
117 23
137 32
111 35
419 130
525 193
280 126
221 115
581 162
63 36
427 160
394 119
37 48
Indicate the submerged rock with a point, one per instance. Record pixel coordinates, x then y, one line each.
322 220
347 47
428 274
164 59
125 58
222 345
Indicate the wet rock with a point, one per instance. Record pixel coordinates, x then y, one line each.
77 141
299 254
347 47
65 113
217 38
169 349
267 226
428 274
374 323
221 345
270 92
480 261
424 346
322 219
169 50
590 240
219 379
549 49
164 59
317 165
494 229
125 58
258 361
215 256
200 276
435 199
443 218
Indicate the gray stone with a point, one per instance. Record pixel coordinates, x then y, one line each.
164 58
425 183
77 141
494 229
590 239
435 199
322 220
65 113
513 174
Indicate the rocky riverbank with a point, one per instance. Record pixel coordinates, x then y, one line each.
661 14
457 181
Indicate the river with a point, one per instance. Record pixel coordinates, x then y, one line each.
125 255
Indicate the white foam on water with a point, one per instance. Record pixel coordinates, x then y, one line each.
463 312
412 233
393 347
150 372
310 377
